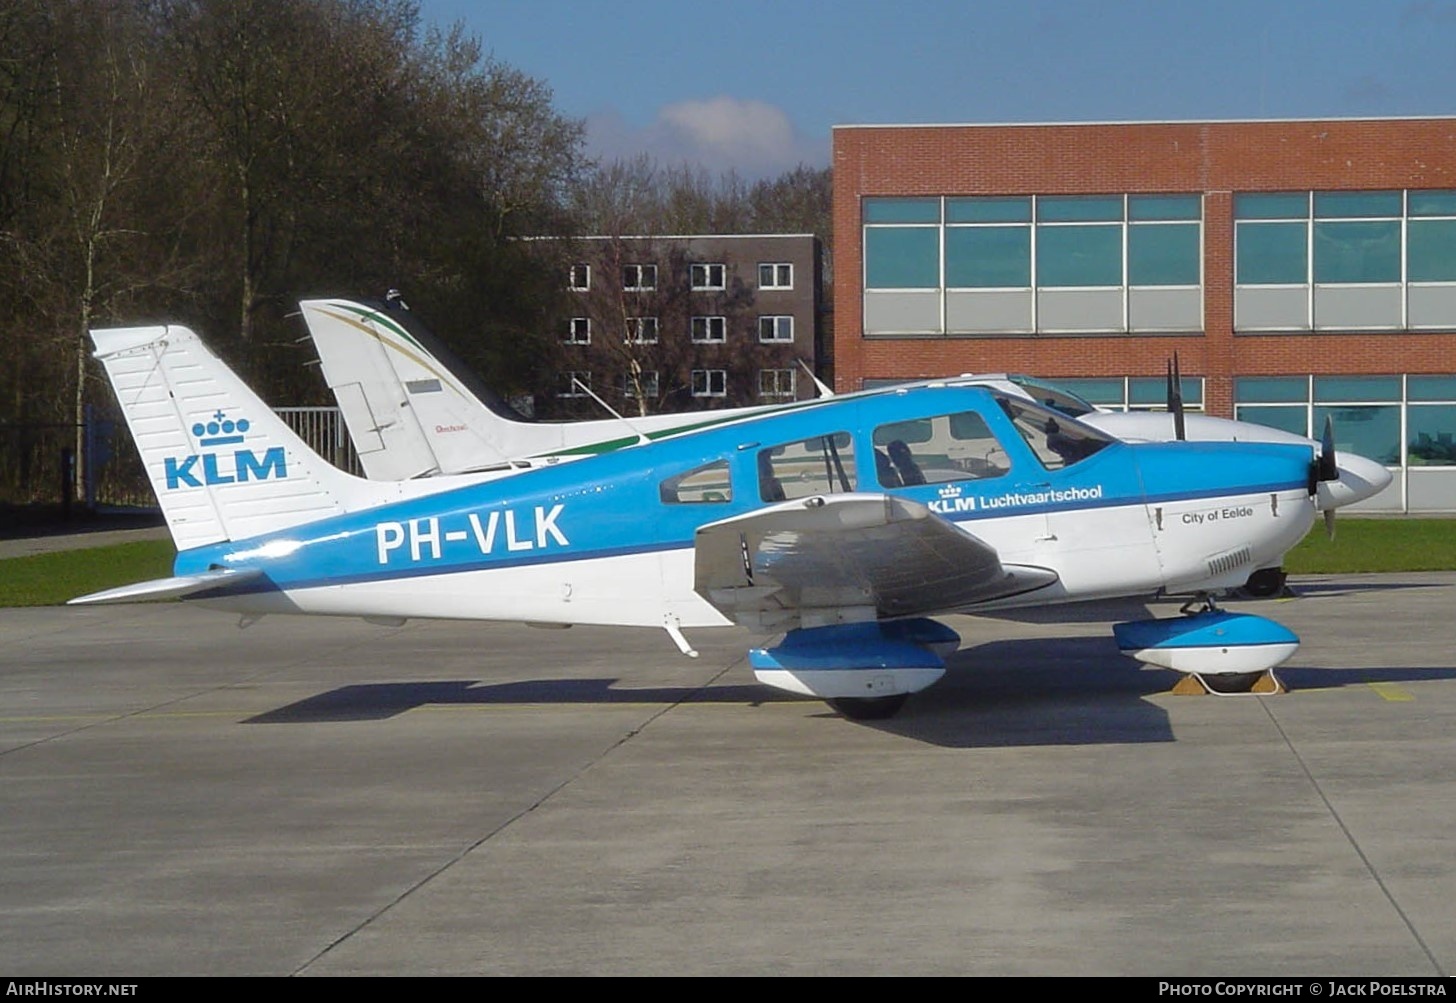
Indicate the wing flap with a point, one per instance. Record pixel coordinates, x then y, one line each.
850 551
168 588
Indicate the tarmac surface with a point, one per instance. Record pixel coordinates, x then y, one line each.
183 795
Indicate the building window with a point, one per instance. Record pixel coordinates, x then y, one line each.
1030 264
579 331
1431 421
1345 261
642 330
708 277
648 382
710 330
901 244
776 329
1366 410
1079 241
580 278
776 383
988 243
710 383
775 275
574 384
1132 393
639 278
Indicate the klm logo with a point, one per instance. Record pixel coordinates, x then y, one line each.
218 467
950 501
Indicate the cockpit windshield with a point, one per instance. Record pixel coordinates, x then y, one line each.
1053 397
1057 440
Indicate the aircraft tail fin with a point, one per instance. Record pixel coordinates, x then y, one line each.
223 465
412 408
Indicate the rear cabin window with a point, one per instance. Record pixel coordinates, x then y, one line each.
817 466
948 447
706 484
1057 440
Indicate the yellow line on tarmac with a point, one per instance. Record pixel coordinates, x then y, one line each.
1391 692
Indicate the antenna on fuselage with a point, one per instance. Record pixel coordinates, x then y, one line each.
1175 399
642 439
824 391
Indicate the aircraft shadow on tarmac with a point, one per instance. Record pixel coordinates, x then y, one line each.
1026 692
1058 691
1337 587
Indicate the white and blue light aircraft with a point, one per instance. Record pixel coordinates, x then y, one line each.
846 523
414 410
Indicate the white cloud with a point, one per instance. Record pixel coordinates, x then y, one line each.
753 138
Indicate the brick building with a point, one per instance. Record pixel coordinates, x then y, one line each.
678 323
1296 268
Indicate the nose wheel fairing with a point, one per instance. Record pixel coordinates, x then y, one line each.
1218 651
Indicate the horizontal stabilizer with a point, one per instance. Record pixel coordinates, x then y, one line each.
169 588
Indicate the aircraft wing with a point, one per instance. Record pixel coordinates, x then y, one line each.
835 552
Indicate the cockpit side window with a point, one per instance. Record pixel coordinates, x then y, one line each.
948 447
817 466
1057 440
708 483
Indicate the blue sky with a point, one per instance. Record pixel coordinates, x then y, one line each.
756 85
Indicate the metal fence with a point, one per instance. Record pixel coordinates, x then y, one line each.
324 431
37 461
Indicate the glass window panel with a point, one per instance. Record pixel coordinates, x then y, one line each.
1357 252
1056 397
1272 254
1431 250
902 257
1431 435
708 483
1280 206
1366 204
988 210
902 210
953 447
913 432
1142 207
1163 255
1106 392
1079 256
1078 208
1057 441
1154 390
1263 389
1430 388
822 465
1368 430
1357 388
1431 203
1290 419
988 256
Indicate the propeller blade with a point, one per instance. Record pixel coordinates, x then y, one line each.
1175 399
1329 469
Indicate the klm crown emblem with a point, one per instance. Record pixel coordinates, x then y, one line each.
220 431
